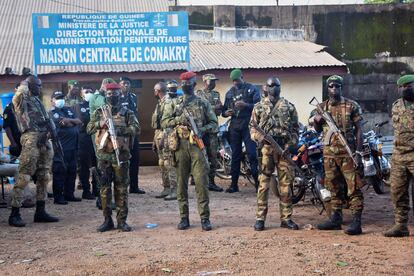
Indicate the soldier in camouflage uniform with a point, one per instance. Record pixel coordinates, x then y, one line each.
211 140
37 153
402 156
279 119
73 99
160 145
189 157
126 127
347 115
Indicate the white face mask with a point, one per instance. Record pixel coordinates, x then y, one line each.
88 96
60 103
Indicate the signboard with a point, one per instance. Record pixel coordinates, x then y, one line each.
112 38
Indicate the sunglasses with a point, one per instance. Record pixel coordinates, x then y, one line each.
332 85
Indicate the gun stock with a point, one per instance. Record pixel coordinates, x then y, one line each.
196 133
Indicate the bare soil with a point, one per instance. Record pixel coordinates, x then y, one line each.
73 247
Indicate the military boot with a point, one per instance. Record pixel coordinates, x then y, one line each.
172 195
164 193
124 227
213 187
107 225
184 224
259 225
41 215
398 230
289 224
334 223
355 227
15 219
206 225
234 188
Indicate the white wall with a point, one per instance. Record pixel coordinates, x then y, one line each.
266 2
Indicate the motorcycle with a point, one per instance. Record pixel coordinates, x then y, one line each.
376 166
224 156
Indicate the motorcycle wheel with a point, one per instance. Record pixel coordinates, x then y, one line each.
246 171
223 171
376 183
298 189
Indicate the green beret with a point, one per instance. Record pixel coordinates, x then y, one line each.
405 79
235 74
73 82
335 78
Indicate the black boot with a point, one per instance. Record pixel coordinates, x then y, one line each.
289 224
136 190
259 225
41 215
15 219
334 223
107 225
184 224
87 195
124 227
234 188
355 227
206 225
213 187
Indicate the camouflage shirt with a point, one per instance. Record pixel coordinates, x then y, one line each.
403 121
213 97
126 127
30 112
199 108
279 120
159 110
345 114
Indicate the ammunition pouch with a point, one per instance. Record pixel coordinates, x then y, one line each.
173 142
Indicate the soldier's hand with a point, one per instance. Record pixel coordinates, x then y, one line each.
229 113
240 104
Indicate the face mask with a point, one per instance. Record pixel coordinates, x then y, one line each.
172 94
113 100
211 86
274 91
88 96
60 103
408 94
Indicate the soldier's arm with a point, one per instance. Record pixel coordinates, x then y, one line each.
18 98
133 127
212 124
256 98
168 120
218 108
254 134
226 106
294 126
357 119
94 124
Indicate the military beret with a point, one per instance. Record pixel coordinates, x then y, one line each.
335 78
58 95
112 86
187 75
73 82
235 74
125 79
209 77
405 79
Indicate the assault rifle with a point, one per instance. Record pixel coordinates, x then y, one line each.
333 130
196 133
276 147
107 114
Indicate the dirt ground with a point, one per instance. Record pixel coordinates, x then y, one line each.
73 247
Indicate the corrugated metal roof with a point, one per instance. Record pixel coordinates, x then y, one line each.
16 43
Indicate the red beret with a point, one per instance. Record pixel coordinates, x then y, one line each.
187 75
112 86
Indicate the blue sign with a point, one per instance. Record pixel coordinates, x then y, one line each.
110 38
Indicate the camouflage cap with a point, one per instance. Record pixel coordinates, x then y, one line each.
207 77
335 78
73 82
405 79
58 95
235 74
107 80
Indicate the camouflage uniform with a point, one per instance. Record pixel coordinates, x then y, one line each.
281 122
212 144
37 153
188 155
126 126
336 160
402 158
165 156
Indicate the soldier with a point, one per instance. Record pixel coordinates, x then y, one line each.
279 119
211 140
37 153
189 156
129 100
126 127
73 98
64 175
86 156
160 144
402 156
347 116
12 131
238 105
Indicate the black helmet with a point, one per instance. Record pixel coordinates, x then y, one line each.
273 86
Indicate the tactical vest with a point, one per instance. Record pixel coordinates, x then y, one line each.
33 117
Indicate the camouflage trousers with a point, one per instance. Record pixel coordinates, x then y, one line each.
168 171
190 159
119 175
285 177
400 181
335 168
212 147
34 160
